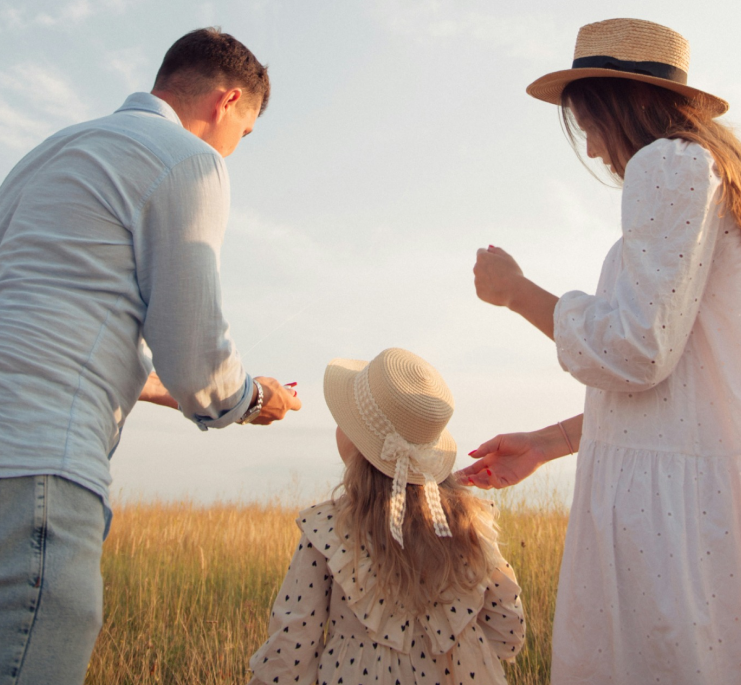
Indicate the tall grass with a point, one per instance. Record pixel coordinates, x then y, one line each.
188 589
531 539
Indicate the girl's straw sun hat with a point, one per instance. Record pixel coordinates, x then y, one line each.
394 409
630 49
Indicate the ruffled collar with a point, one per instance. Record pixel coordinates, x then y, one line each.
389 623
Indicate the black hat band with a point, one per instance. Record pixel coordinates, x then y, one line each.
657 69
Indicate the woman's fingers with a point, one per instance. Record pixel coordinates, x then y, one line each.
498 250
476 467
484 479
481 481
488 447
485 474
496 276
502 461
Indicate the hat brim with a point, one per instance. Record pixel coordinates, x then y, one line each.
339 393
550 87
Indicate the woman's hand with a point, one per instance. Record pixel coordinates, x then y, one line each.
499 281
497 276
509 458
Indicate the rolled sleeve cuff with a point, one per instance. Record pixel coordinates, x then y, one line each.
229 417
561 327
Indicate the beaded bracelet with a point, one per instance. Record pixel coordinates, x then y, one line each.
254 411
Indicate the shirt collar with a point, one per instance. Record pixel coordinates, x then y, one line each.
146 102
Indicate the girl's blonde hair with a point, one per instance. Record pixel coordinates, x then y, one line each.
629 115
428 566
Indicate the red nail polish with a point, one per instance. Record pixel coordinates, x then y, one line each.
471 453
488 473
292 385
491 247
470 481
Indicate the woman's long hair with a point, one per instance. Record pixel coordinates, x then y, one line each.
629 115
428 566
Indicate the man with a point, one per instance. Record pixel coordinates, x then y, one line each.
110 231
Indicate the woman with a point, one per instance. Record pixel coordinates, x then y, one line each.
649 587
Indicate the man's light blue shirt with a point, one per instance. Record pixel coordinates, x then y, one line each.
110 232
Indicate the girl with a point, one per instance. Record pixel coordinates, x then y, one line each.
400 579
649 586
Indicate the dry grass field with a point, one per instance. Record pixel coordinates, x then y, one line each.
188 589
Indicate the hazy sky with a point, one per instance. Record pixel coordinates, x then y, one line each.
398 140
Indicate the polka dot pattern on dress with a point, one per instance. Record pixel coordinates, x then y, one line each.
374 641
655 527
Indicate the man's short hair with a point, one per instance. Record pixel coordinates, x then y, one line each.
207 58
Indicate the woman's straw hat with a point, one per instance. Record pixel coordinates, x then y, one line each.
394 410
631 49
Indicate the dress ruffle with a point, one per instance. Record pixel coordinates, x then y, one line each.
389 623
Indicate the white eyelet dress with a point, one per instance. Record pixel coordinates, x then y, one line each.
650 585
329 627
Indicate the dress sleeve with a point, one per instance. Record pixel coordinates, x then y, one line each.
632 338
292 652
501 618
181 228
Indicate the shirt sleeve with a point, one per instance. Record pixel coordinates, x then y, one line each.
181 229
501 618
297 623
632 338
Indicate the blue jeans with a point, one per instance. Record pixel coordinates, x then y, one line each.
51 590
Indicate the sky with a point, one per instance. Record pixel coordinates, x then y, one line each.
399 139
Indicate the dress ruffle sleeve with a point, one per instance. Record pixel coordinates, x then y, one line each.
633 338
501 617
292 652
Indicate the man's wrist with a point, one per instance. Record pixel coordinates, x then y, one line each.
253 411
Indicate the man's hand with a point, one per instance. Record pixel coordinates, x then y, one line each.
277 401
156 393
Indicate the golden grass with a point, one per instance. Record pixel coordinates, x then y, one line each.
188 589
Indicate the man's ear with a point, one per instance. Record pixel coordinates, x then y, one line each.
223 102
227 100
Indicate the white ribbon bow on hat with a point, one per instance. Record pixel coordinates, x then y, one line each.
420 458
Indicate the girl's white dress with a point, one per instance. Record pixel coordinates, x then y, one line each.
326 626
650 586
